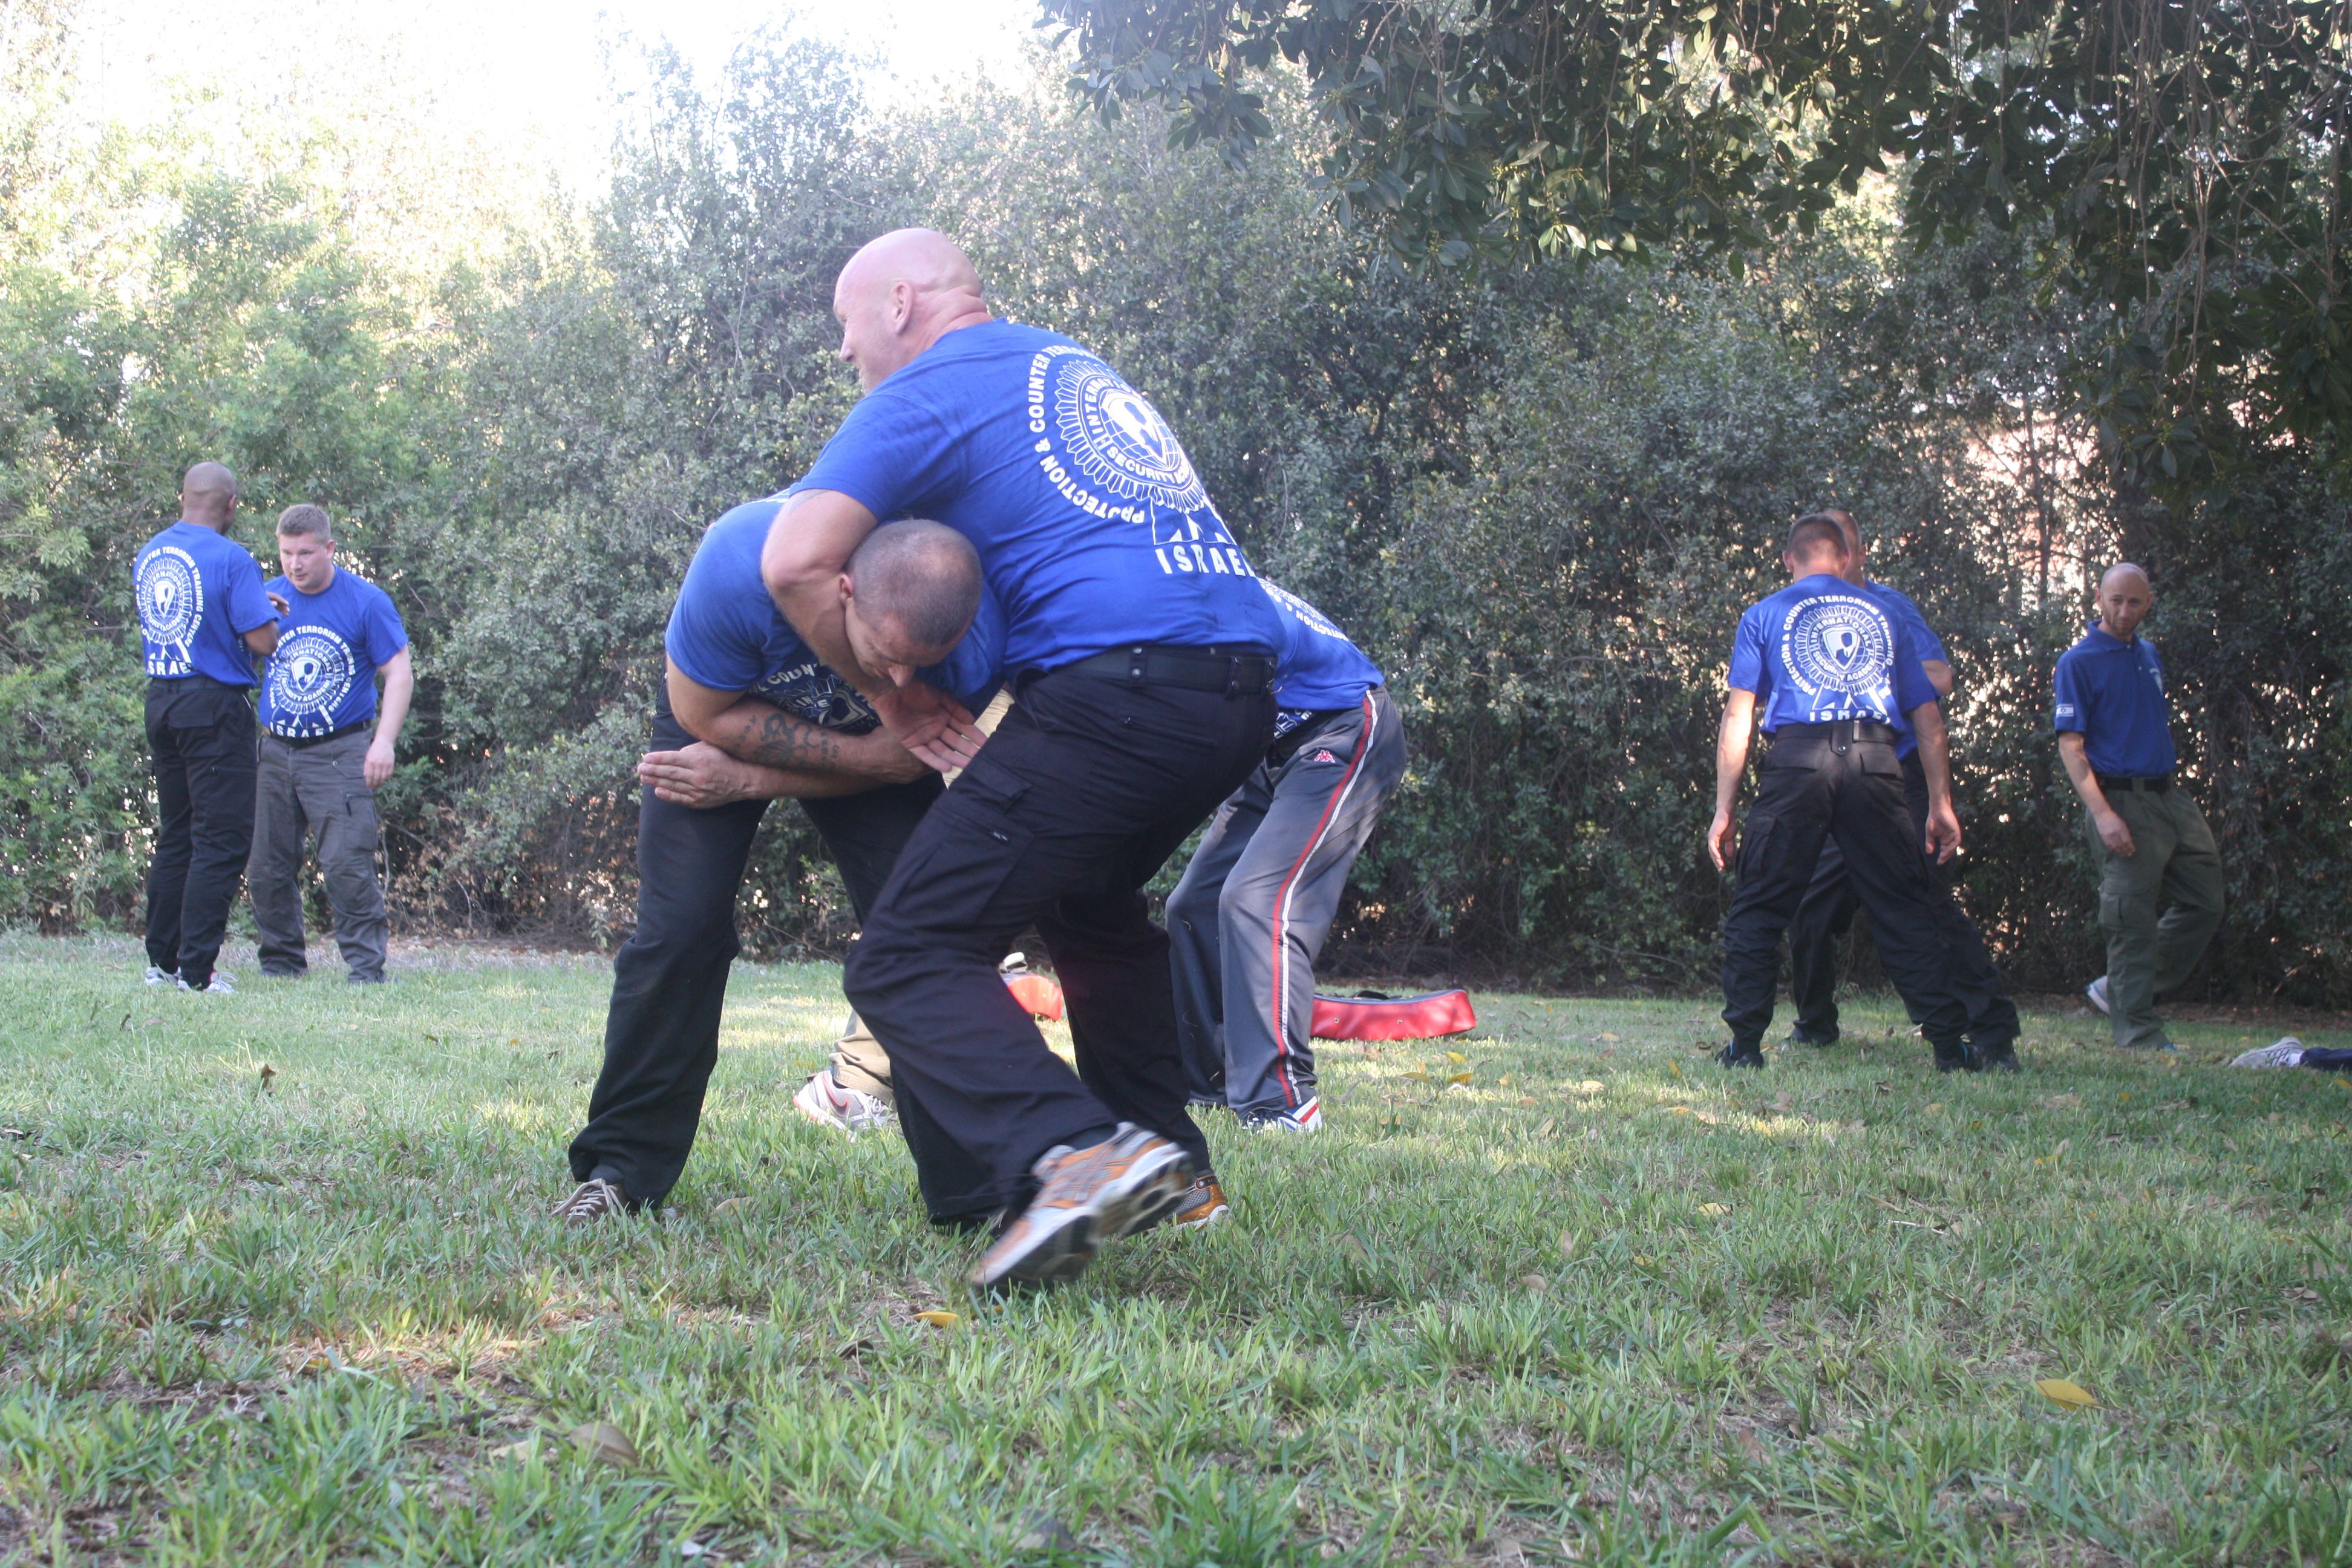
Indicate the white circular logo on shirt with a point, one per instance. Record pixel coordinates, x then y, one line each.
311 674
1113 437
1833 643
170 594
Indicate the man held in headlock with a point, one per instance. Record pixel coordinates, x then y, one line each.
1834 681
325 749
1832 901
1140 647
202 618
2160 884
748 715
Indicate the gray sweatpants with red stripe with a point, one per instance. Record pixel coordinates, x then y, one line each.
1247 920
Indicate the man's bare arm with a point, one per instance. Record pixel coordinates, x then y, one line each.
808 549
809 546
1731 742
1939 675
1936 762
2113 832
820 760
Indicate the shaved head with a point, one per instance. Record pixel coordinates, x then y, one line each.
2125 598
901 294
208 496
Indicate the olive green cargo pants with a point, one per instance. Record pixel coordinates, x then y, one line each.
2158 905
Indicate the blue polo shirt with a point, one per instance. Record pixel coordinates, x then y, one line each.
329 646
727 634
1317 668
1090 519
1923 638
1821 650
198 594
2111 692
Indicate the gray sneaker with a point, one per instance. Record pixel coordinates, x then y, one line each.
2095 994
593 1200
162 977
219 984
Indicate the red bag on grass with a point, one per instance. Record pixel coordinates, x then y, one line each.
1370 1015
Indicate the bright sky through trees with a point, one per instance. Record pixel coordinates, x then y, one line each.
524 75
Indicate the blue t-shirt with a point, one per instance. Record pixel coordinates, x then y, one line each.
1821 650
329 646
198 594
1923 638
727 634
2111 692
1092 526
1317 668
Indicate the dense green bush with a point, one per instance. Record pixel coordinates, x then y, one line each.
1540 497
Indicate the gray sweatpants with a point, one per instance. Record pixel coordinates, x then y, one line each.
1247 920
302 789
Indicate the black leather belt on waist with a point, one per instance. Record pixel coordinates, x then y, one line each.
1851 730
304 743
1237 672
2109 783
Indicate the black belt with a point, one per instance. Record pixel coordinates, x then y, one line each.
174 684
1851 730
304 743
2109 783
1237 672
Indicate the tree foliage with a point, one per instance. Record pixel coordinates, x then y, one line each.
1538 494
2182 160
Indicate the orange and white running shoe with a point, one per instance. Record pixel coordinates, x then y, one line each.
1202 1205
1090 1197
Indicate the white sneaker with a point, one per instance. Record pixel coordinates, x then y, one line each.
2286 1053
1306 1119
162 977
219 986
2096 992
848 1111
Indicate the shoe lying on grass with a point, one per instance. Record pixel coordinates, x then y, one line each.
848 1111
590 1201
1092 1196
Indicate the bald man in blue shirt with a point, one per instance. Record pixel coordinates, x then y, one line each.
2160 884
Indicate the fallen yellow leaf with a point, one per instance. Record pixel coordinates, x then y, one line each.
2072 1395
729 1206
603 1441
1544 1130
1608 1037
1715 1208
1456 1057
1643 1262
1459 1077
1590 1086
1935 1105
1418 1076
1680 1109
1568 1245
939 1320
1674 1070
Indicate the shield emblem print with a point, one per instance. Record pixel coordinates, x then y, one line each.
1842 645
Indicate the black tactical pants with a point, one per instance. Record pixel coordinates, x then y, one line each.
1827 913
1084 790
669 979
1809 786
203 741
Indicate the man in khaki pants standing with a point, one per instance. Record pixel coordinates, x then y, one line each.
2159 873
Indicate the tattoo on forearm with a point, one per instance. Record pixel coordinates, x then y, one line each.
777 739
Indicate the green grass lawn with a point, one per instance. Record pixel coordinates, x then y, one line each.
1560 1291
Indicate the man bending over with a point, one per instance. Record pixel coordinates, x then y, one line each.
746 715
